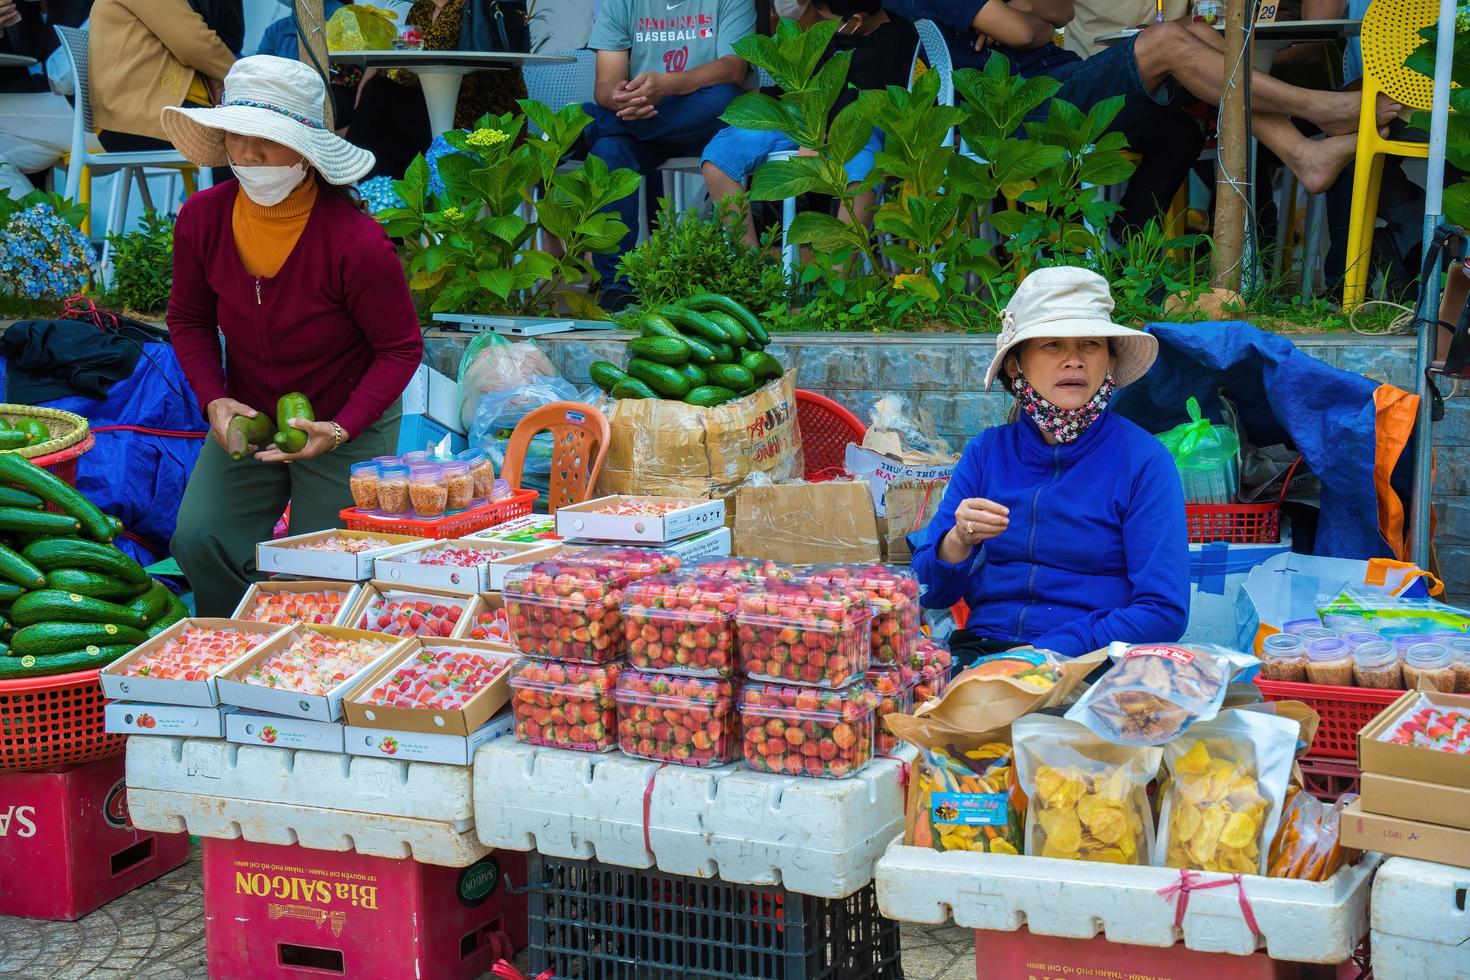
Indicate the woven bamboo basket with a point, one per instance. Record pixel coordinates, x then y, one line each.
67 428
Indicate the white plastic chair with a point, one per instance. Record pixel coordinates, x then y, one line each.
82 165
559 85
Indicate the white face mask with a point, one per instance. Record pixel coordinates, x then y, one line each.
268 186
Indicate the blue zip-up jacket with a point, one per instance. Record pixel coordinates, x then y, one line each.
1096 549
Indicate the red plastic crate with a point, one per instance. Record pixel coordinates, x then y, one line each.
466 522
1020 955
1344 711
47 722
66 845
1327 779
273 911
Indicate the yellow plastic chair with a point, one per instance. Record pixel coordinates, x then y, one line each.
1390 33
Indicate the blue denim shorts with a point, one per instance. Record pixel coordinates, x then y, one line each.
737 152
1112 71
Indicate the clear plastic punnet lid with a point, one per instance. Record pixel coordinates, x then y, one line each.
886 586
824 706
564 582
676 691
891 682
808 606
635 562
571 680
682 597
744 569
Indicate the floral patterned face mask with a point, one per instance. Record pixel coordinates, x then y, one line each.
1062 424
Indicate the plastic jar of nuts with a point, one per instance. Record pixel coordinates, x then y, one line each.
427 490
363 481
1376 665
1460 653
1432 661
459 485
1284 658
393 489
482 471
1329 662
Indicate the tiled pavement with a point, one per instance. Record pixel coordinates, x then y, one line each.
157 932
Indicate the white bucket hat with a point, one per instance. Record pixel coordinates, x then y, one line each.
275 99
1069 301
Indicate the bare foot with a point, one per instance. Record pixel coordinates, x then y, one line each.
1322 160
1347 116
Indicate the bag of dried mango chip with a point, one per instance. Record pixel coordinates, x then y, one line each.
969 800
1223 801
1087 798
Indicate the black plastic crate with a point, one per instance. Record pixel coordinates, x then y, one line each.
594 921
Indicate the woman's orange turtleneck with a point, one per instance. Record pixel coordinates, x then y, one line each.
265 236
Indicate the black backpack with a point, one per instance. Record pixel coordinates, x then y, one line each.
495 25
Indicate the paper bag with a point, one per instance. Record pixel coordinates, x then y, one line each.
806 523
668 448
882 462
911 506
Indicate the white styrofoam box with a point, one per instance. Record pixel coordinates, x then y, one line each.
458 750
248 728
1217 574
1301 921
1421 921
585 523
405 568
223 770
129 718
435 395
813 836
283 556
452 845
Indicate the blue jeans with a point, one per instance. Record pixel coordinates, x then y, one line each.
738 152
683 126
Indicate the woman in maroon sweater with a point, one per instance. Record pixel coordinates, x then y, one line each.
309 296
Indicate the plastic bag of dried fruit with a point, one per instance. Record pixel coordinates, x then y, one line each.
1155 691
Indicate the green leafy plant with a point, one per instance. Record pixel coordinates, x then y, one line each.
472 249
686 255
1457 142
142 263
1148 268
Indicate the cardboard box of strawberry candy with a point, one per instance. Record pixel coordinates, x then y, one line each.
181 664
131 718
526 529
462 565
304 671
383 607
439 687
491 622
638 520
343 555
288 601
278 731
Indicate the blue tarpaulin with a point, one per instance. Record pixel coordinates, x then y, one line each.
138 473
1340 422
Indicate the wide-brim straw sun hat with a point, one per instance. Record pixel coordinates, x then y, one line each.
1069 301
275 99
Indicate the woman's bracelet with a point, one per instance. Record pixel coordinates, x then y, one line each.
339 436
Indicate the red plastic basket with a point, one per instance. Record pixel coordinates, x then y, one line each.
1238 523
518 504
64 462
1327 779
53 721
1344 711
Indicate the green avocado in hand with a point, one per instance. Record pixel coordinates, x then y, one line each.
292 406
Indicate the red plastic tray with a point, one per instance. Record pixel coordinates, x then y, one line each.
518 504
1344 710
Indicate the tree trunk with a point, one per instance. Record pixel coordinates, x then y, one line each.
1232 174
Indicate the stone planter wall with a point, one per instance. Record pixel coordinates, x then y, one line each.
944 374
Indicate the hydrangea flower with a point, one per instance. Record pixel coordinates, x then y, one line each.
44 257
439 148
1462 19
378 194
485 138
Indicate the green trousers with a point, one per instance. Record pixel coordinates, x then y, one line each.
231 505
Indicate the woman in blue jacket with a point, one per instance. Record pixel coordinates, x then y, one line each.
1063 529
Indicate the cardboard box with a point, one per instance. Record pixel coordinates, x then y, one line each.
233 688
710 544
469 605
156 690
1404 838
282 557
282 585
1407 761
128 718
490 602
807 523
882 463
249 728
419 432
1448 806
456 721
414 746
432 394
405 569
526 529
583 523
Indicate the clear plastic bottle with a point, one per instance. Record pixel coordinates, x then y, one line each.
1432 661
1329 662
1284 658
1376 665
